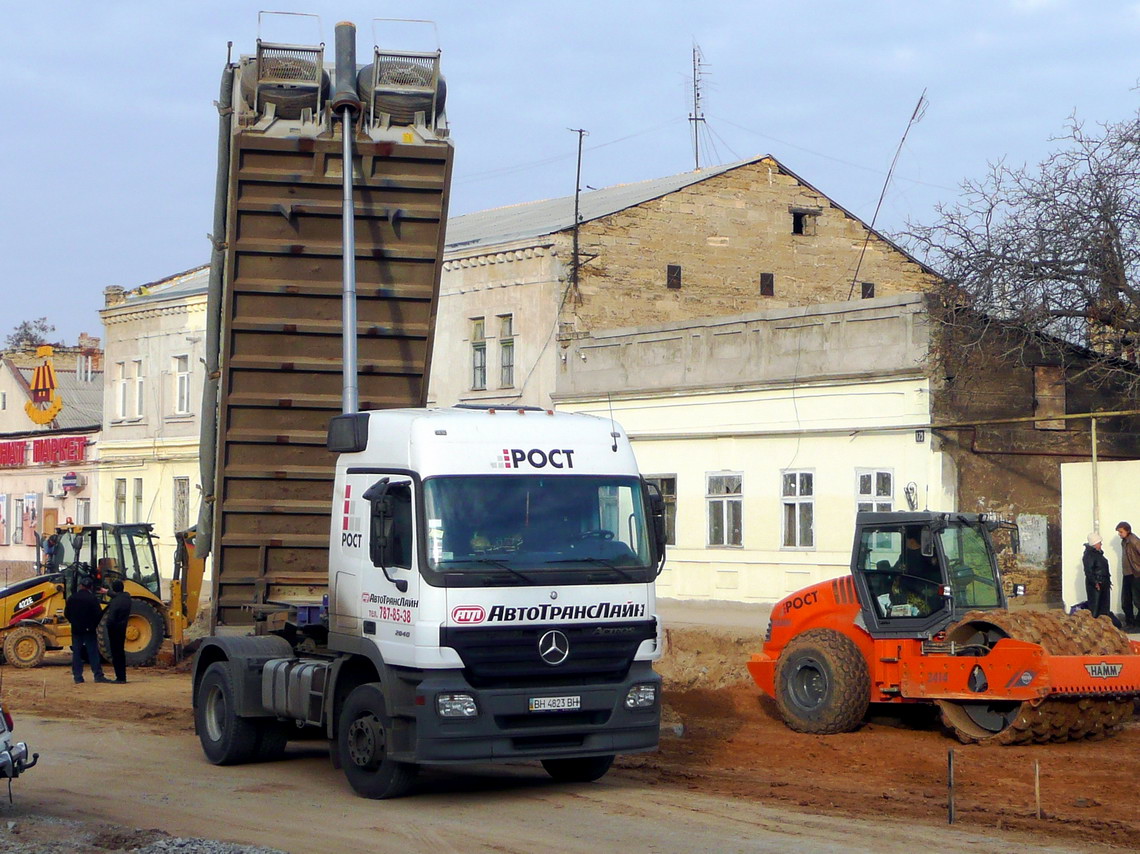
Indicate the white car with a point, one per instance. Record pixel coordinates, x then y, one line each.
13 755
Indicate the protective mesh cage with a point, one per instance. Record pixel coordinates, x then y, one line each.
289 64
405 71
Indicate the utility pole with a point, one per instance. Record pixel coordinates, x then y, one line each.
696 117
576 261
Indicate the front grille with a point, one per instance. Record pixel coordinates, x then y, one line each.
508 657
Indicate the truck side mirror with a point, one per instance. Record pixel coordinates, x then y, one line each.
381 521
657 517
927 543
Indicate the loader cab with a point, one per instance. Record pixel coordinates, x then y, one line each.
107 552
914 572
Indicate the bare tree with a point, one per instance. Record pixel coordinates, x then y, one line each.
1047 256
29 333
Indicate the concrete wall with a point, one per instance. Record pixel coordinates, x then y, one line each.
1117 491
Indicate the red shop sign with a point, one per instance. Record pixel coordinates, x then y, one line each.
13 453
66 450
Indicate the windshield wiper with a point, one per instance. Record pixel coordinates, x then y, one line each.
502 564
598 562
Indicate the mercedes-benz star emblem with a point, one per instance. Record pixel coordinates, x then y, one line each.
554 647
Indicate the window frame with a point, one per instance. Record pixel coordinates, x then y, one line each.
797 500
137 500
120 501
180 504
140 385
478 354
181 384
722 503
506 351
120 390
673 275
873 498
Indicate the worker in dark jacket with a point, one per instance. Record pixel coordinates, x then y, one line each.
83 612
1098 582
117 613
1130 572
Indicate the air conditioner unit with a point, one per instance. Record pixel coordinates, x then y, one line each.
55 488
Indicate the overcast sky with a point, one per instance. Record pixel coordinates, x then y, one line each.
109 134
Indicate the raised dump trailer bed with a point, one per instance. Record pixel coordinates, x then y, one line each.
277 306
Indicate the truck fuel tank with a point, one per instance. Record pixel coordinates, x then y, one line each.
295 688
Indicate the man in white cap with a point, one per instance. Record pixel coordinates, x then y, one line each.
1098 582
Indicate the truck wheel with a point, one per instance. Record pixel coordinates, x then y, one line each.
584 769
25 647
226 738
822 685
362 741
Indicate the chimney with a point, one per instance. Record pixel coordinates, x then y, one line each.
113 295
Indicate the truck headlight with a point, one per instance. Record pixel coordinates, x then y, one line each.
456 706
641 696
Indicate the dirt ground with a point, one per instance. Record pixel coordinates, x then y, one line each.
721 738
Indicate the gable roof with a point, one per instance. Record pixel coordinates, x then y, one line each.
82 399
550 216
187 283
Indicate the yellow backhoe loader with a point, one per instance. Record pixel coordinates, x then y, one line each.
31 611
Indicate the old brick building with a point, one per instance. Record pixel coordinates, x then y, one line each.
744 237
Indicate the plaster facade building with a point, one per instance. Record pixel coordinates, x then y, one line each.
767 432
152 399
744 237
48 469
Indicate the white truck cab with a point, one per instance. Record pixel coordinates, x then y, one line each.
490 597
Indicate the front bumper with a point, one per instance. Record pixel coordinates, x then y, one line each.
505 728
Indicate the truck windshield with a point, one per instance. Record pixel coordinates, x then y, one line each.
528 527
970 565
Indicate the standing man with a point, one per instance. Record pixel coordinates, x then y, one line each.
1098 582
1130 565
118 612
83 612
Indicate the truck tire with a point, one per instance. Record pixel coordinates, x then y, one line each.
583 769
822 684
145 632
25 647
226 738
362 742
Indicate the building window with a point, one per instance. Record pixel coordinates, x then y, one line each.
478 354
138 389
868 290
120 390
798 494
673 276
181 503
17 521
83 511
725 509
3 400
182 386
874 491
803 220
798 222
138 503
120 500
767 284
667 485
506 351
